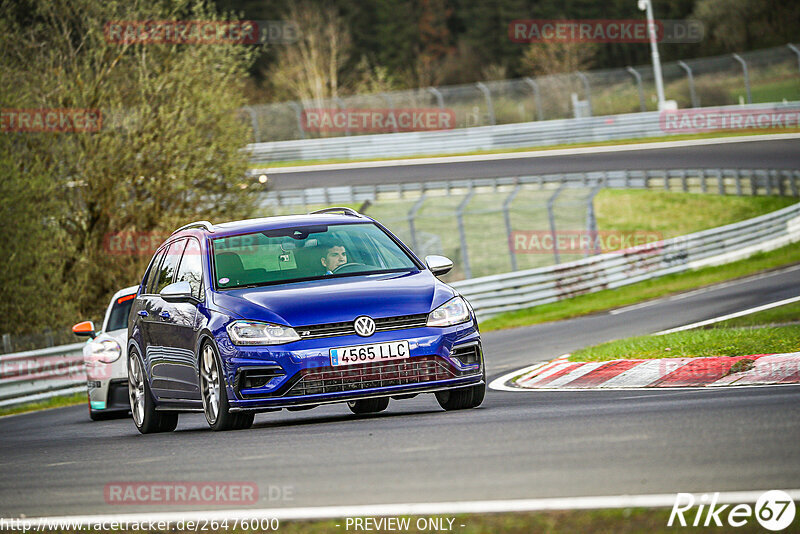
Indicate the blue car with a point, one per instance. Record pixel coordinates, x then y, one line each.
293 312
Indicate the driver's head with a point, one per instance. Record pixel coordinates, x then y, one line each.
335 255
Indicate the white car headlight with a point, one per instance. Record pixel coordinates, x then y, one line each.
452 312
104 351
257 333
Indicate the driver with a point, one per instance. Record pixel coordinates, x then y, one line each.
335 256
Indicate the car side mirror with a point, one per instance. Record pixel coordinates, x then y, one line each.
85 328
438 264
178 292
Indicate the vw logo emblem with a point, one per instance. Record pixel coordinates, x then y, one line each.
364 326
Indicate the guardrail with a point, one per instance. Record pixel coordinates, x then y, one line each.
517 135
716 181
490 295
39 374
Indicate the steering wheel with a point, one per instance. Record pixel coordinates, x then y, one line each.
347 268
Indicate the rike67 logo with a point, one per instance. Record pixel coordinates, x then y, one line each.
774 510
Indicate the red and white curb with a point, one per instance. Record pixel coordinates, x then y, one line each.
562 374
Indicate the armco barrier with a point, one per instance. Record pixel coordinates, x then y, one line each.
750 182
517 135
32 375
38 374
490 295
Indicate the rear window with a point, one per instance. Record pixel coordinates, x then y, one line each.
120 309
306 253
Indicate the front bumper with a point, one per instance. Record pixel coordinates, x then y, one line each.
300 373
107 385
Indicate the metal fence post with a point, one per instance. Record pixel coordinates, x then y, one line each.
387 97
739 182
462 233
591 219
720 181
6 343
254 121
746 75
703 184
488 96
794 49
779 181
340 103
412 214
507 218
638 78
551 217
438 95
537 98
299 115
588 89
690 77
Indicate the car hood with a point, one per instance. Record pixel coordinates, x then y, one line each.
338 299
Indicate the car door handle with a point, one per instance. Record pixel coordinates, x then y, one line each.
142 313
164 315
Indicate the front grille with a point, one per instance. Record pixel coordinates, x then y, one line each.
372 375
348 328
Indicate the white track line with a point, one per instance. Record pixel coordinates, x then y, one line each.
663 500
499 384
706 289
544 153
729 316
401 509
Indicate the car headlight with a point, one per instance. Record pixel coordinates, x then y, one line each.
452 312
104 351
257 333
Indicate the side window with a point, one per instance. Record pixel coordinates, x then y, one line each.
167 271
191 269
152 275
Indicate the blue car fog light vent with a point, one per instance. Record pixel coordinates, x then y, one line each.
468 354
257 377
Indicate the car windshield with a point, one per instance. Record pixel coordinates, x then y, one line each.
118 319
306 253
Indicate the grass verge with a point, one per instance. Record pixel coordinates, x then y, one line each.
642 291
54 402
680 137
697 343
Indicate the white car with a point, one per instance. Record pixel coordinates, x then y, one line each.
105 356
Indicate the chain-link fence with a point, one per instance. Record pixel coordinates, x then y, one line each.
769 75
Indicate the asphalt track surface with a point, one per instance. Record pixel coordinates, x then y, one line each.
516 445
777 154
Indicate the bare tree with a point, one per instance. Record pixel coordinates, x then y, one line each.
309 69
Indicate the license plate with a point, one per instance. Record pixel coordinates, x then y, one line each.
377 352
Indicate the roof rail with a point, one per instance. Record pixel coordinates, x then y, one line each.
344 211
197 224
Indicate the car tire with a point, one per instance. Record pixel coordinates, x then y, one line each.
368 405
461 398
143 406
215 396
